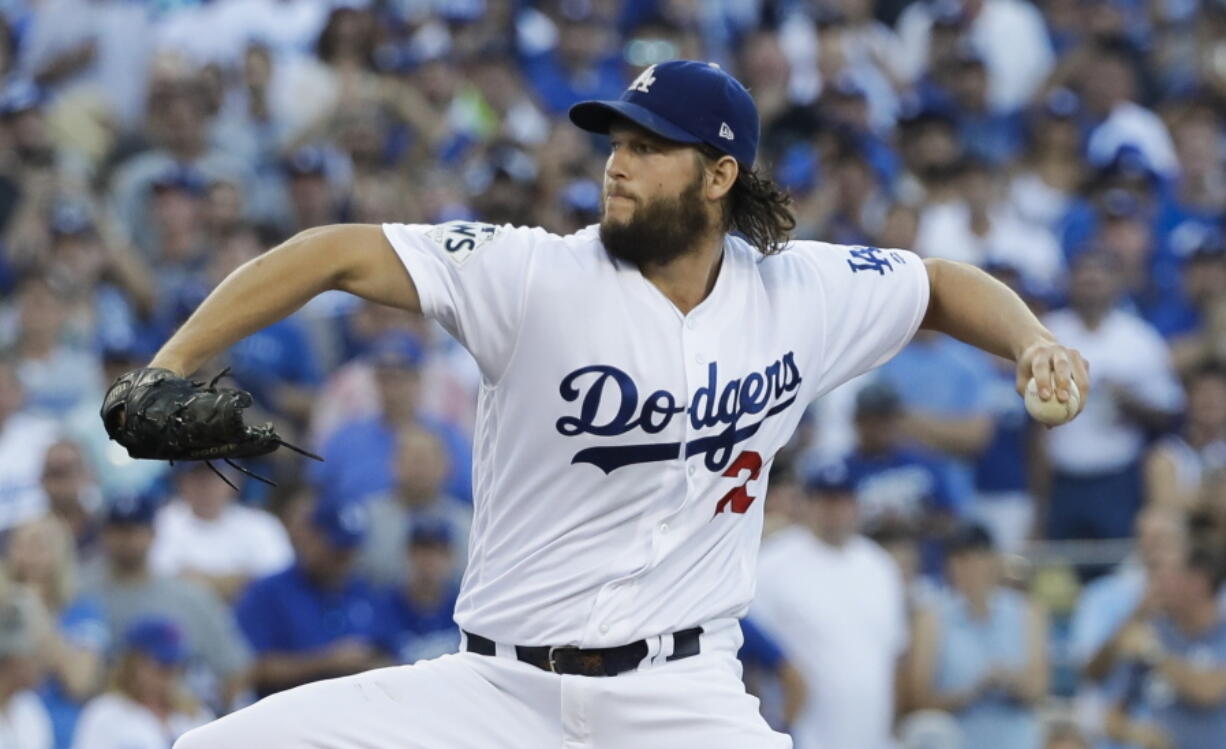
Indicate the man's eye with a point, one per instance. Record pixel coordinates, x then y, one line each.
644 148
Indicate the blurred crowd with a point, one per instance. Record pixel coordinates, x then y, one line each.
938 572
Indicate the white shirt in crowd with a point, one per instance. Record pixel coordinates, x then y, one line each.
623 447
1011 35
944 231
240 541
840 615
1127 352
24 440
24 723
114 721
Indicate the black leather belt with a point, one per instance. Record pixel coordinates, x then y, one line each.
589 662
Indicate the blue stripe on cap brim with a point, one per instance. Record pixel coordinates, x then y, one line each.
597 116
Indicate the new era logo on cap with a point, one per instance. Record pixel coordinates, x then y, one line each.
725 132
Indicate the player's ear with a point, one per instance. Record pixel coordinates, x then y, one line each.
721 176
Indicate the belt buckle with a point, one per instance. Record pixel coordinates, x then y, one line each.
553 666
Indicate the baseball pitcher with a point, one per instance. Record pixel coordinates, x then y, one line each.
638 378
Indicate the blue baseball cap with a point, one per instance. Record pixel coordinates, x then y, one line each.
831 479
343 522
683 101
159 638
136 508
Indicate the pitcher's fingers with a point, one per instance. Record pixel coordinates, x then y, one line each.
1040 370
1063 374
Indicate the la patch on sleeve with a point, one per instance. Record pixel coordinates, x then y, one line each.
460 239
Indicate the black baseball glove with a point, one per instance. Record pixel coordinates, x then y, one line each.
158 415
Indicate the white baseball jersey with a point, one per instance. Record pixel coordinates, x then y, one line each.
621 447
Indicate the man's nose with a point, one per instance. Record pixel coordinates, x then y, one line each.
617 166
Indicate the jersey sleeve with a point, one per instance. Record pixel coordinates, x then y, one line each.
472 278
870 302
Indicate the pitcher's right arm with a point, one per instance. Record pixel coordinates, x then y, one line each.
356 258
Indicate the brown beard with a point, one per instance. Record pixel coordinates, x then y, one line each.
661 230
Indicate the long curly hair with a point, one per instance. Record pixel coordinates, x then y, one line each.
755 207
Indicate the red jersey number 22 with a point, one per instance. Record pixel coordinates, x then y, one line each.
738 499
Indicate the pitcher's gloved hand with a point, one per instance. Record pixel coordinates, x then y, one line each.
158 415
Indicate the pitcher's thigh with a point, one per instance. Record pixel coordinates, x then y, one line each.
452 702
695 704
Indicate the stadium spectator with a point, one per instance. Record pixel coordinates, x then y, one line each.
358 456
39 556
1193 319
179 163
420 607
1050 171
944 412
56 375
583 64
895 484
128 589
980 653
1194 207
316 619
148 706
1178 465
844 626
24 721
94 52
766 667
24 440
421 464
1109 80
205 535
967 220
1096 487
73 499
1170 688
1110 603
1008 33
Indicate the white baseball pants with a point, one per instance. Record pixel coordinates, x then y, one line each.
470 701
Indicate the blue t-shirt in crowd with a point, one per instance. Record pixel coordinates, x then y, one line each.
415 632
278 354
1148 696
1001 467
969 648
287 613
758 649
947 379
83 624
358 459
902 484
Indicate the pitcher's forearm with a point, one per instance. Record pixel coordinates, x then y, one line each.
975 308
260 292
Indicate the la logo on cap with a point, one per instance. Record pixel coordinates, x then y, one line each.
644 81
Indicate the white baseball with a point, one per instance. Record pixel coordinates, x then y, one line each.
1052 412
